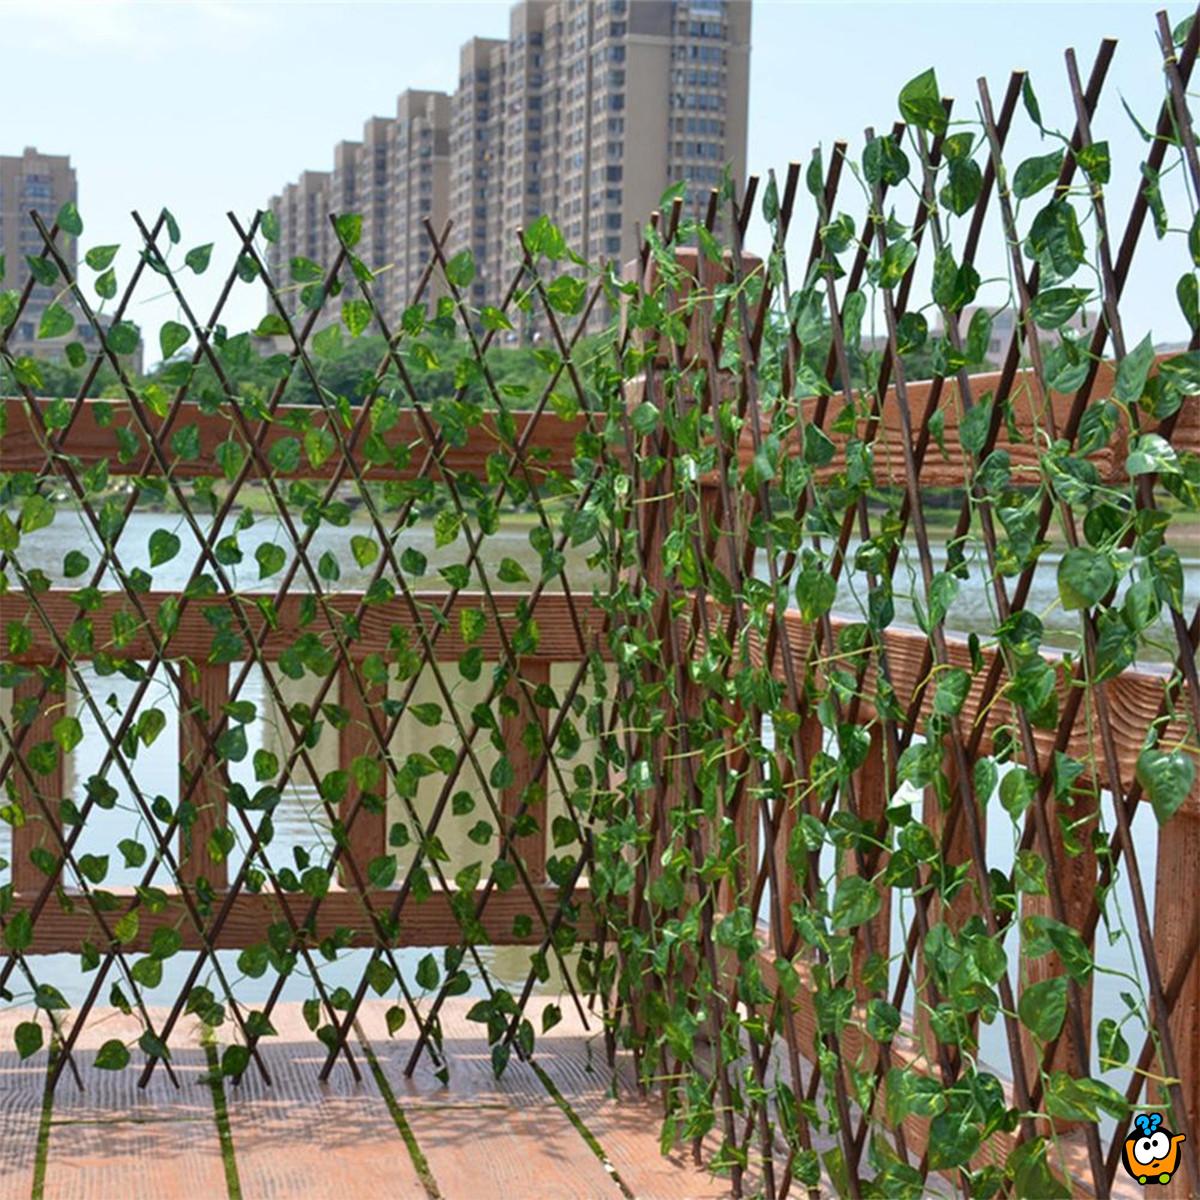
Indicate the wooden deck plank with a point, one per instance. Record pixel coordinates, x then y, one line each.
483 1136
22 1086
626 1125
301 1138
116 1139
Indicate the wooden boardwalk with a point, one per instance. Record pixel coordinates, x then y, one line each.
548 1129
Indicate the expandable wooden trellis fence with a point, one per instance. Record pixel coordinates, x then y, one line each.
724 744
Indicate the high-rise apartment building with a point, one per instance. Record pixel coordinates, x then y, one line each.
302 209
477 162
587 112
420 167
43 182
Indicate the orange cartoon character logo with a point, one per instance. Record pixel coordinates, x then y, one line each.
1151 1153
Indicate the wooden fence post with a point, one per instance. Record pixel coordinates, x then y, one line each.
367 836
514 728
872 791
1176 918
963 905
1076 870
812 735
33 833
203 691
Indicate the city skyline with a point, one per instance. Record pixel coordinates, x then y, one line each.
585 113
204 150
30 180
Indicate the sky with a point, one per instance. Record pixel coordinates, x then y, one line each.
212 106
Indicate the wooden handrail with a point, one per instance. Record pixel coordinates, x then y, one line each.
553 444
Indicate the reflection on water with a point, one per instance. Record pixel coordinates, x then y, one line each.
47 548
972 611
974 608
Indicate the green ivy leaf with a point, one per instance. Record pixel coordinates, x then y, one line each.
348 227
1152 454
18 935
68 733
1095 162
164 545
198 258
381 871
511 571
364 549
319 445
1036 173
42 269
1043 1007
1167 779
953 686
1133 371
460 270
894 265
56 322
69 220
270 558
304 270
816 590
28 1037
954 1139
1082 1099
123 338
356 316
284 455
1054 307
1114 1049
566 294
112 1056
100 258
149 725
428 973
36 513
126 928
172 337
884 162
427 714
921 103
75 562
1085 577
855 902
1017 791
1187 292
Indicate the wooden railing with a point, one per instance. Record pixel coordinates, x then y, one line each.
242 918
63 928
